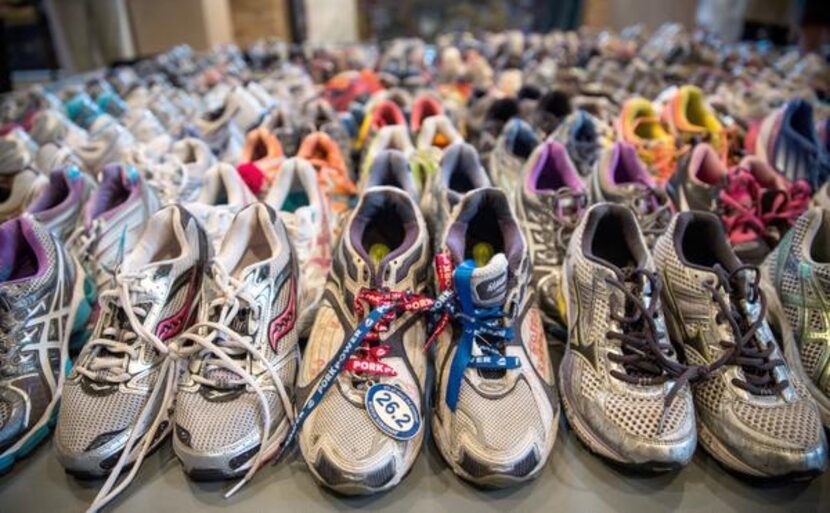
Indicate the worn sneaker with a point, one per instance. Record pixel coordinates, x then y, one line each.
234 406
640 125
391 168
788 141
548 204
507 158
703 183
118 398
222 195
753 415
106 145
332 171
460 171
262 155
493 361
797 279
584 136
365 351
626 396
299 200
692 120
60 204
43 311
113 219
20 183
620 177
392 137
180 176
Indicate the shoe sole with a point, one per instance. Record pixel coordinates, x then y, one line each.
592 441
79 315
779 322
197 473
495 480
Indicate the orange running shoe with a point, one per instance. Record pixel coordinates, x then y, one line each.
261 159
332 172
640 126
690 118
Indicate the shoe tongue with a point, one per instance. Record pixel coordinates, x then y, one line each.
488 283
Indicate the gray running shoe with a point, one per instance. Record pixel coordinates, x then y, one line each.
626 396
753 415
496 410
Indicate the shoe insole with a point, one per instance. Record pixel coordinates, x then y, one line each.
294 200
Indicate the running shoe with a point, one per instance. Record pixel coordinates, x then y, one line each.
59 205
113 219
53 155
392 137
391 168
221 196
262 156
692 120
787 140
219 130
625 394
584 138
43 312
283 125
512 149
640 125
754 416
797 279
548 204
496 408
20 183
437 132
378 115
332 171
460 171
180 176
620 177
703 183
321 117
118 398
365 351
234 405
424 106
106 145
52 126
299 200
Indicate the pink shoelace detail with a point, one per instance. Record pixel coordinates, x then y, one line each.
740 202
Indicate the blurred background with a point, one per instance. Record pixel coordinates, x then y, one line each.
46 39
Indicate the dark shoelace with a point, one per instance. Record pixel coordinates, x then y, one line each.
747 351
565 206
645 352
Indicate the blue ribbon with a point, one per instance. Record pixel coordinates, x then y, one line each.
475 322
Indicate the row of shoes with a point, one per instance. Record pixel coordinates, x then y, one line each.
285 245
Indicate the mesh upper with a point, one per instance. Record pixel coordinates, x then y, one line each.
486 418
793 422
83 417
216 424
346 426
5 412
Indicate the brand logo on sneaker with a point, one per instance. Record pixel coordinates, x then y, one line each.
284 322
492 288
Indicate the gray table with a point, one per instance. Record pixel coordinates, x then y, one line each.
574 480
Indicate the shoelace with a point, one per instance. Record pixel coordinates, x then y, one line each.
168 178
127 284
645 354
738 201
786 206
563 217
386 306
486 330
746 351
225 349
653 211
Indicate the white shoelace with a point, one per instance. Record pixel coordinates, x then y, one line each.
218 343
127 284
